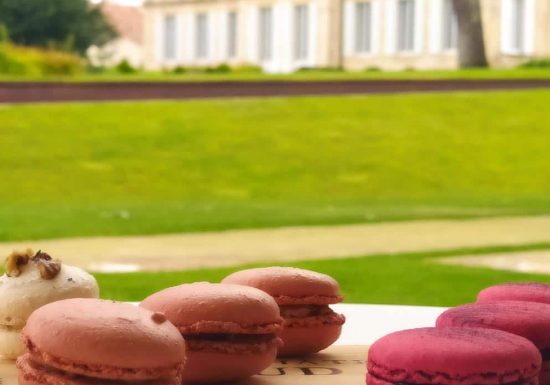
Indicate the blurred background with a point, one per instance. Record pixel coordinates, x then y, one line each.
401 146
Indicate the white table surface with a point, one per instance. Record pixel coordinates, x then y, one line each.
367 323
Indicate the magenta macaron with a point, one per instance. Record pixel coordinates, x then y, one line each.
527 319
453 356
91 342
231 331
518 291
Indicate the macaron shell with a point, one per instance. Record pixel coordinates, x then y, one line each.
10 343
449 356
520 291
102 335
211 307
372 380
210 367
290 284
299 341
29 375
527 319
24 294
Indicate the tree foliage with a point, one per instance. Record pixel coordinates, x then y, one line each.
63 24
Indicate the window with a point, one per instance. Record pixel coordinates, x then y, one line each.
201 36
301 32
363 27
518 25
169 37
450 26
405 25
231 35
266 33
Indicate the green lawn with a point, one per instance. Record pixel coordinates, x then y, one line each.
407 279
519 73
159 167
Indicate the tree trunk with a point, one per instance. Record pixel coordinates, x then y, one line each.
471 46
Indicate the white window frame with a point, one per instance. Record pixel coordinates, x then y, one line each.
365 35
392 28
301 32
509 24
406 26
266 29
165 56
449 27
232 49
202 36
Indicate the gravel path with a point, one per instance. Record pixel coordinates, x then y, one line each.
525 261
26 92
196 250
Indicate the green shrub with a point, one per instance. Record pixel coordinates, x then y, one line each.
320 69
248 68
179 70
219 69
59 63
4 33
17 60
124 67
536 63
373 69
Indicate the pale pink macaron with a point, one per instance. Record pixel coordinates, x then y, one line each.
91 341
231 331
516 291
304 297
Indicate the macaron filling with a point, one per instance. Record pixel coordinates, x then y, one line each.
231 342
310 315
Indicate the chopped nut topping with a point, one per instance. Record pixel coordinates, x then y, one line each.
40 255
15 260
158 318
47 267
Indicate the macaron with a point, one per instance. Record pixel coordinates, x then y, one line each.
304 297
453 356
527 319
518 291
31 281
231 331
91 341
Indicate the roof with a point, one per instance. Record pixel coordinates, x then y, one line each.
127 20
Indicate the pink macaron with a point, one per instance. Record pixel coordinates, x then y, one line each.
231 331
518 291
91 341
304 297
453 356
527 319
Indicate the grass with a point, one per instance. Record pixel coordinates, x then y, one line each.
160 167
406 279
310 75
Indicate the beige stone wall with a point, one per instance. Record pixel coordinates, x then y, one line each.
329 46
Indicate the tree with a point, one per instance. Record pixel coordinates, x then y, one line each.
471 46
62 24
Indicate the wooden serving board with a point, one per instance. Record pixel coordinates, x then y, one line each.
338 365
